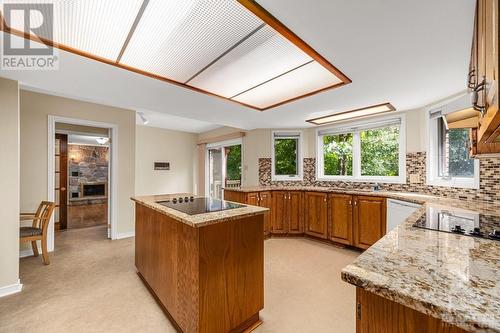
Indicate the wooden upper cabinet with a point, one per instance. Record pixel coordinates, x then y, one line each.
316 213
369 220
280 217
340 218
485 62
265 200
294 210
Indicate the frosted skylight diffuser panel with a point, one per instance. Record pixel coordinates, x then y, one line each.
306 79
262 57
97 27
176 39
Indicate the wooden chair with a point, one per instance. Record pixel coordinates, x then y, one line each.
38 231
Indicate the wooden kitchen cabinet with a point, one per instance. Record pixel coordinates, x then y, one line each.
316 213
340 219
265 200
369 220
262 199
287 209
485 64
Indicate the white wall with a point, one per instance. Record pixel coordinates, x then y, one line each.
161 145
35 109
257 143
9 196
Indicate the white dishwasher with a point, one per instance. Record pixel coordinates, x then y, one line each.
398 211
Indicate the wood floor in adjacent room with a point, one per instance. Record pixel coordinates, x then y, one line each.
91 286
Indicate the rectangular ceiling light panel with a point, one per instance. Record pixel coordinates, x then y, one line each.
301 81
260 58
97 27
358 113
176 39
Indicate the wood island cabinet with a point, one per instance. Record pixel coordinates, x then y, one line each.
316 214
369 220
340 218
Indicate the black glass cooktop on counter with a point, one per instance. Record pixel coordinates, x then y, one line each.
194 206
461 222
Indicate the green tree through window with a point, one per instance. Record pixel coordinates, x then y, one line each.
285 156
337 154
380 151
233 163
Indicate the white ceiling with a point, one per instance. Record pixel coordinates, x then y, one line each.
409 53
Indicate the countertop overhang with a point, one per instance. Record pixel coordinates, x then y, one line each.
198 220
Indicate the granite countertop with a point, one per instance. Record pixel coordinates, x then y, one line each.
198 220
452 277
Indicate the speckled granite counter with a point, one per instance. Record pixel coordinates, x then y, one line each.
451 277
198 220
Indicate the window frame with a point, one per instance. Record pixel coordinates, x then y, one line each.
433 160
300 160
378 122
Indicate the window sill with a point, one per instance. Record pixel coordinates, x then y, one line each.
286 179
455 183
381 180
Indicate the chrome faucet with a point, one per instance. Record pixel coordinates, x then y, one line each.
376 187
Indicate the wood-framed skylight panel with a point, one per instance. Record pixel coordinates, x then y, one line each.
263 56
177 39
367 111
307 79
260 15
96 27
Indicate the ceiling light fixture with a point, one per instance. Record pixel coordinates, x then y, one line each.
352 114
102 141
145 120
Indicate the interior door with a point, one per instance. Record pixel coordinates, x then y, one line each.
61 181
215 175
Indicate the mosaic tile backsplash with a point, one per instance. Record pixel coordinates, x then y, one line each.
489 188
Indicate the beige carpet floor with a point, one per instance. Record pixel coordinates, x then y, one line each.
91 286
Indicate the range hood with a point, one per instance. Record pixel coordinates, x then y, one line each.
458 113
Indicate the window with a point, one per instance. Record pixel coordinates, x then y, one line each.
380 152
337 154
286 156
449 163
363 152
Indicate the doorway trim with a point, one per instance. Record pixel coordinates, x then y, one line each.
112 198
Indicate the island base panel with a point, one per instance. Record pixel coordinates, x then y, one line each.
376 314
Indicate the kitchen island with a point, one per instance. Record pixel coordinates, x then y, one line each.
206 270
419 280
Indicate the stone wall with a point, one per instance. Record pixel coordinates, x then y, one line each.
489 190
86 164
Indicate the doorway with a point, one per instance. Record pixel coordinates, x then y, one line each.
81 177
223 161
100 190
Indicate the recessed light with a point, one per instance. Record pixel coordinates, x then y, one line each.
352 114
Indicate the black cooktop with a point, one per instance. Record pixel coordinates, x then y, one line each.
463 223
193 206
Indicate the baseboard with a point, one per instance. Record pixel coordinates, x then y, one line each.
12 289
29 252
126 235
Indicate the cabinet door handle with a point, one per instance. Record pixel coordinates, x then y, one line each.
324 199
350 202
355 202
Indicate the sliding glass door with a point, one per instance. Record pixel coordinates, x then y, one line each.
223 167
